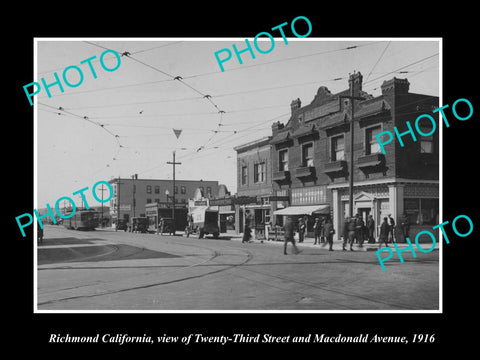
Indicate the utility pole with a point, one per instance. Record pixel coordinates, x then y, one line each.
118 202
102 189
352 99
134 177
173 197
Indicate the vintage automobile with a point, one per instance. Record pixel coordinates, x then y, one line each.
203 221
139 224
122 224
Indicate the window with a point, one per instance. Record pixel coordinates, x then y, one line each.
426 142
157 189
183 189
307 154
283 160
244 175
338 148
149 189
175 190
157 201
267 216
184 201
149 201
209 190
259 172
421 211
371 143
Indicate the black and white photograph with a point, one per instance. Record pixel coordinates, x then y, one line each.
180 184
231 179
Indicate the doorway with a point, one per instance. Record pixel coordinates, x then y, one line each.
364 212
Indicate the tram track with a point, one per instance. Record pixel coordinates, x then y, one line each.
214 254
222 259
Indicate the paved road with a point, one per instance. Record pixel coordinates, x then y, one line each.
107 270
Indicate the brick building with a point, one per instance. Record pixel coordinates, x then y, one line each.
311 152
254 184
135 193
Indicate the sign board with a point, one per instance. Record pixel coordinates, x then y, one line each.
309 196
125 207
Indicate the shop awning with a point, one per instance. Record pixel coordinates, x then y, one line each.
304 210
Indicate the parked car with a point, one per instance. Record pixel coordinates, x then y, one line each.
140 224
122 224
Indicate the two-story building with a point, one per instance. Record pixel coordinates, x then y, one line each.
311 156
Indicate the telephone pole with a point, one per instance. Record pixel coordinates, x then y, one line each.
352 99
118 202
173 190
102 189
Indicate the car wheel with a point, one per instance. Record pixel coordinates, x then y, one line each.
215 235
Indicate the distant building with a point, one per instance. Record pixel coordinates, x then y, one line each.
130 196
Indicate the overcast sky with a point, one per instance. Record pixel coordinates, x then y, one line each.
121 122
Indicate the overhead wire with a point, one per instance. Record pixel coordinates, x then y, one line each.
209 98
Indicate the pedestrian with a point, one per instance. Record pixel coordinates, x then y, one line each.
391 228
406 227
317 228
371 229
329 231
322 231
384 231
301 230
345 232
351 233
39 233
289 236
359 229
247 233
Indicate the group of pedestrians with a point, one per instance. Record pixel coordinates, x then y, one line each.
393 233
323 233
355 230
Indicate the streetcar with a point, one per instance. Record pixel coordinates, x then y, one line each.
83 219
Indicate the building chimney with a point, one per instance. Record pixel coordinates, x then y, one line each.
395 86
355 82
295 105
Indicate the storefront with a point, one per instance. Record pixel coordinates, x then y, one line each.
418 200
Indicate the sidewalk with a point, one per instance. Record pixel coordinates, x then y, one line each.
337 244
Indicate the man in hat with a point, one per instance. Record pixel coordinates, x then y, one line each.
371 229
359 229
384 230
301 230
329 231
351 233
317 229
289 236
391 228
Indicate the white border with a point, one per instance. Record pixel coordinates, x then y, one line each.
439 311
